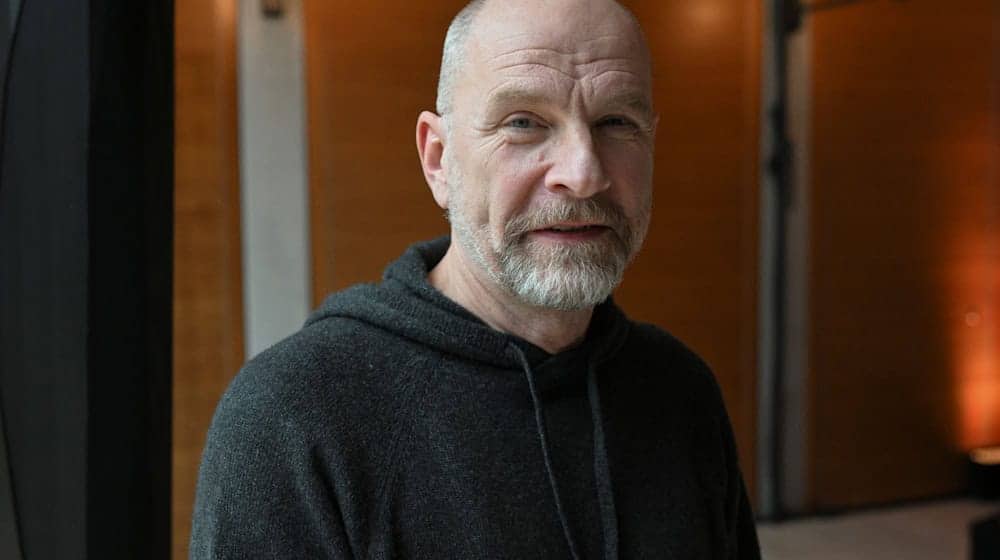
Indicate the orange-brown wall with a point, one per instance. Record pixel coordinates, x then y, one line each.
369 75
208 339
905 242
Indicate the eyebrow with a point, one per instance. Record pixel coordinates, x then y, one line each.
518 96
635 101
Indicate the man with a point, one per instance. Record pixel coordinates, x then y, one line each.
487 399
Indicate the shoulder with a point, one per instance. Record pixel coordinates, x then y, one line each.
294 432
332 385
326 403
661 364
675 391
658 342
338 360
663 351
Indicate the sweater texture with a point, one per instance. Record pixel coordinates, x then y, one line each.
396 424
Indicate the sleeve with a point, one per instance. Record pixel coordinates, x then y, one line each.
734 514
262 492
741 524
743 530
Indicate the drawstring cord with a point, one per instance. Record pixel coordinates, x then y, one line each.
540 426
602 471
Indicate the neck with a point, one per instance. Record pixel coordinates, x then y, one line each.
464 283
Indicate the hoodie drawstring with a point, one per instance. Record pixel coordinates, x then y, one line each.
602 473
540 426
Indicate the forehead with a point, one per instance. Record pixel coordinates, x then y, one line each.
576 60
554 41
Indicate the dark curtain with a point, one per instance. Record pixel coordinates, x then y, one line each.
86 213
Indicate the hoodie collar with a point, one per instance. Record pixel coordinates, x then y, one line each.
407 304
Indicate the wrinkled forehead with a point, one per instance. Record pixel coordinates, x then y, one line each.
572 37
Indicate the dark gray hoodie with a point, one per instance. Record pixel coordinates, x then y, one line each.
396 424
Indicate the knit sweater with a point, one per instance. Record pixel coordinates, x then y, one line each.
396 424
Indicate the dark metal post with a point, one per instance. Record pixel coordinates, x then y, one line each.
787 17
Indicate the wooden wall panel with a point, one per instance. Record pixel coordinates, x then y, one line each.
370 75
208 331
904 238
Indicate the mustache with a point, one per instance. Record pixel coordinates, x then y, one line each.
590 210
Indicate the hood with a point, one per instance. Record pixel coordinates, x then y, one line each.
406 304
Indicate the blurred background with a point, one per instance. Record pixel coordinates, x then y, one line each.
826 230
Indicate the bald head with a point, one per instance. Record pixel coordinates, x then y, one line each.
545 130
467 23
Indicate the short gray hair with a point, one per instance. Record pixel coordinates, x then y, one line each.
454 53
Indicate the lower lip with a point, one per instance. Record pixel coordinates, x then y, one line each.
570 236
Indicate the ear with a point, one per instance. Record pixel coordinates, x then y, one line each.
430 147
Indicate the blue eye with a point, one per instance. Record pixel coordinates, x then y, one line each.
522 123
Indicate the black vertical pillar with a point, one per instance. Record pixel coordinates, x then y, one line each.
787 17
130 172
10 546
86 190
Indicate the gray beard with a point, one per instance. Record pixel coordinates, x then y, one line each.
560 277
563 278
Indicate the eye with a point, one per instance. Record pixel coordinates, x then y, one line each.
616 121
523 123
618 127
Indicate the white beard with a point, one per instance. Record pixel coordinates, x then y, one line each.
562 277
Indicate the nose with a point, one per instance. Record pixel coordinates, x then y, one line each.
577 169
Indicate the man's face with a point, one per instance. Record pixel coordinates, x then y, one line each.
549 151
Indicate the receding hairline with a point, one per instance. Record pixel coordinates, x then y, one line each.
453 52
455 49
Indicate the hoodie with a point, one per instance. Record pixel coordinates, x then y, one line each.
396 424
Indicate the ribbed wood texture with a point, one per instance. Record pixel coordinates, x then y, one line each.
208 328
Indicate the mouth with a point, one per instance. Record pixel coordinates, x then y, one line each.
571 231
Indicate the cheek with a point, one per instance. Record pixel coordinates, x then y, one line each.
473 195
476 209
631 169
512 181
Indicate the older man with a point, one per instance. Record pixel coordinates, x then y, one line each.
487 399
